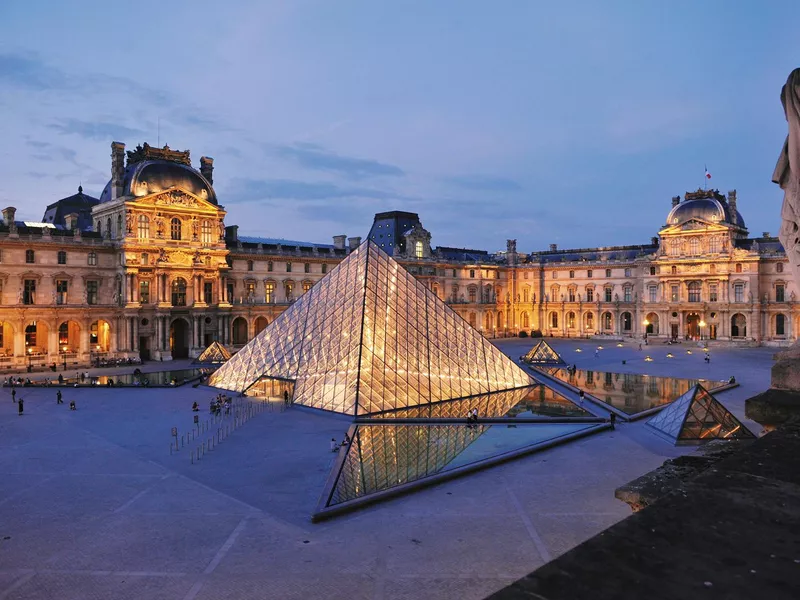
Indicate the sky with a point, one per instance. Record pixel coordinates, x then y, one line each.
549 122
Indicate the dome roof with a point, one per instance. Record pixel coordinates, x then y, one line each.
713 209
153 176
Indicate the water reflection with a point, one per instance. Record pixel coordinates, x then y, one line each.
631 393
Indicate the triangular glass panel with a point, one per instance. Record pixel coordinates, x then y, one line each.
542 354
214 354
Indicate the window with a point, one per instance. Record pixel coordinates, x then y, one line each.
555 274
91 292
179 292
571 294
607 321
738 292
554 293
63 335
674 293
269 265
780 293
713 294
175 229
738 267
674 246
206 232
249 265
307 286
231 287
554 319
627 321
307 268
269 292
713 245
29 292
572 274
588 274
61 291
473 293
144 291
571 320
526 292
627 272
780 325
607 294
288 267
120 232
145 258
673 270
525 275
143 227
289 290
324 268
694 291
207 262
250 290
30 257
30 334
608 272
694 246
472 273
627 292
779 268
589 294
454 272
62 257
418 249
92 259
653 291
652 270
208 292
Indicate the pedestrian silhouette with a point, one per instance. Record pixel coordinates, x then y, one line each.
58 397
20 404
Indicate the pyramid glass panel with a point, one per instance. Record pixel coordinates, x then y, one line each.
542 354
696 417
369 337
215 354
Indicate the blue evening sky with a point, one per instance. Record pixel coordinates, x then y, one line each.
550 122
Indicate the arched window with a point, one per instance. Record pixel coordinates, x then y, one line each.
179 292
92 259
239 326
780 325
206 232
175 229
694 291
473 318
674 246
554 319
143 227
673 270
269 265
627 321
525 320
694 246
554 293
589 318
418 249
120 232
607 321
570 320
713 245
108 227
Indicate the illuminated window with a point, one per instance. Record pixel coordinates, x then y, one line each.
175 229
571 320
30 334
712 292
179 292
269 292
61 291
144 291
92 259
143 227
694 291
91 292
307 285
694 246
63 334
589 294
207 232
418 249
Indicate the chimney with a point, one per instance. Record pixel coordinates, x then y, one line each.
9 214
766 235
553 247
207 168
676 200
117 169
654 240
231 233
71 221
354 242
732 204
338 241
511 252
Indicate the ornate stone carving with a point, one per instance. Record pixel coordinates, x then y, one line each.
148 152
129 221
175 198
159 222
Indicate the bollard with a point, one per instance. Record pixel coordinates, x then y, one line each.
191 458
170 448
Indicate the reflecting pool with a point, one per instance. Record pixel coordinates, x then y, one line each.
628 392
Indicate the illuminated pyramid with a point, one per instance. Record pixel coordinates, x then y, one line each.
542 354
215 354
696 417
369 337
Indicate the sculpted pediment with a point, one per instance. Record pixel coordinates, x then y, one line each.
176 198
693 225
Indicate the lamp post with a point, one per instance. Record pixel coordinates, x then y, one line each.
30 360
702 326
64 356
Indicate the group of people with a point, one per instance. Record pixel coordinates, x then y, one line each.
472 418
335 445
11 382
217 404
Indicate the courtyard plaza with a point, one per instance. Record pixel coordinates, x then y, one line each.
94 505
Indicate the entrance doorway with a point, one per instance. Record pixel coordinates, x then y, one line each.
269 388
179 339
712 331
673 331
144 348
693 326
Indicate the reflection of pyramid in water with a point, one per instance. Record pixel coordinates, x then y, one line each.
696 417
369 337
215 354
543 354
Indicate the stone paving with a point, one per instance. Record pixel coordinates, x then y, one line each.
93 505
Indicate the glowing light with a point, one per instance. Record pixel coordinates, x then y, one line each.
578 350
669 355
620 345
688 352
648 359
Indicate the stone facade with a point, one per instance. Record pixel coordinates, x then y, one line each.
159 275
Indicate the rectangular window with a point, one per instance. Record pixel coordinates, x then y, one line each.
324 268
653 291
608 272
91 292
674 293
738 292
288 267
307 268
590 295
607 292
627 294
92 260
572 274
779 293
454 272
145 258
472 273
571 295
627 272
230 293
713 295
269 293
61 292
555 274
30 257
588 274
62 257
29 292
208 292
652 270
694 292
144 291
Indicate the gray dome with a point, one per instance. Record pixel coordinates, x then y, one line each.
153 176
706 209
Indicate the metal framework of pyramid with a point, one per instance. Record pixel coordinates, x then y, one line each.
369 337
542 354
696 417
214 354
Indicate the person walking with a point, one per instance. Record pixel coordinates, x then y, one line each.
596 353
580 396
286 397
334 445
58 397
13 395
20 405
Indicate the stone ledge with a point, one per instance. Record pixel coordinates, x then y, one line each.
773 407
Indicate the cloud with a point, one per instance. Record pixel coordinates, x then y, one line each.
317 158
485 183
95 130
256 190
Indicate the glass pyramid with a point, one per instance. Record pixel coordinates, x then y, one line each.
696 417
215 354
367 338
542 354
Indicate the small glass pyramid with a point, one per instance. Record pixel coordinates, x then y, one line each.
696 417
215 354
542 354
369 337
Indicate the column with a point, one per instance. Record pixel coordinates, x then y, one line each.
219 329
194 330
202 337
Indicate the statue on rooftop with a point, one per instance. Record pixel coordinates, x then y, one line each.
787 174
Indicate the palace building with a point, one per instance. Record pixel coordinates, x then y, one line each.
150 269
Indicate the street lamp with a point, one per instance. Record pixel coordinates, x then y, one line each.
64 356
30 360
702 325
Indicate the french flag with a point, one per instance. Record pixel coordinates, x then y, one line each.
708 175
